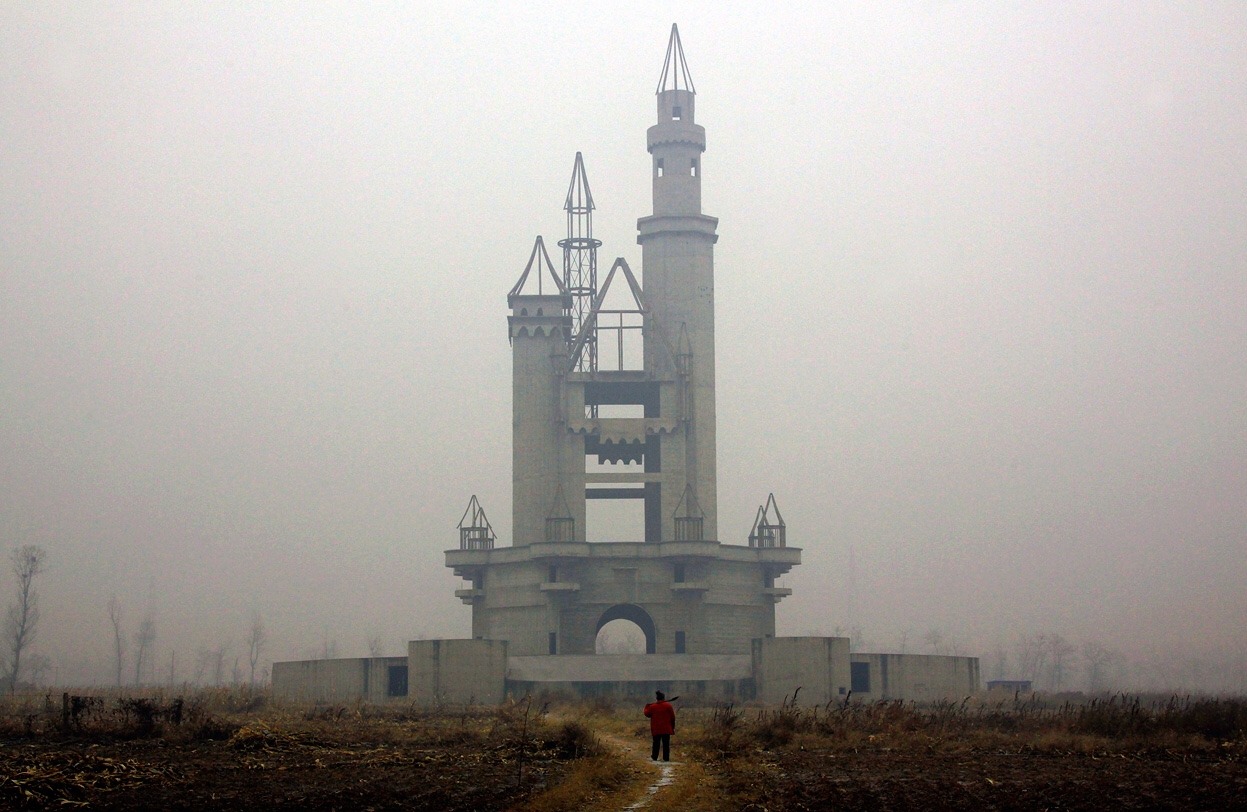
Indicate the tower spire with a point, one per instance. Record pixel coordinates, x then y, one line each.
675 75
580 258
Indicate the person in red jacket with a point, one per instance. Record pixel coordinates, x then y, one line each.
661 725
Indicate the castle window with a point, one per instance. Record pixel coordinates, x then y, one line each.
554 642
397 680
678 575
659 167
679 642
859 678
693 170
676 113
554 574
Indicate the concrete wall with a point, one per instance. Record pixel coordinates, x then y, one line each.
364 678
456 671
695 678
630 668
691 692
819 666
918 677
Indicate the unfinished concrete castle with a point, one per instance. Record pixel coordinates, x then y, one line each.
618 402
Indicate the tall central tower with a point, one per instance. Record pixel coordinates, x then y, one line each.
677 254
617 402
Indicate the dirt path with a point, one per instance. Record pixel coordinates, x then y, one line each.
662 774
666 778
647 783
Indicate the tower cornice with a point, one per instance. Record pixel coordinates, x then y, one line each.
655 225
676 132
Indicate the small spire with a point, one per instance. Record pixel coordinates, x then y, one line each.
579 198
541 260
675 75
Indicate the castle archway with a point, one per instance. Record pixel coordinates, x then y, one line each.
633 614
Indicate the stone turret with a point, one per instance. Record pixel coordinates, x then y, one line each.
539 328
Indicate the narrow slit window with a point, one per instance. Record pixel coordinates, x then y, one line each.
679 643
659 167
676 113
693 169
554 642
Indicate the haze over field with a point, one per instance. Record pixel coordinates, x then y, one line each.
981 309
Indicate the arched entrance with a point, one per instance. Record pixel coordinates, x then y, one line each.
635 614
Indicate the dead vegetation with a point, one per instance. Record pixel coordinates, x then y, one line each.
1126 752
224 749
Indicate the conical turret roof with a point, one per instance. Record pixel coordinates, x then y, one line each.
675 75
579 198
544 267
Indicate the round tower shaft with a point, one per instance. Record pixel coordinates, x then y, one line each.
677 243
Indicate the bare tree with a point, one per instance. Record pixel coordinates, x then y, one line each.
1032 655
211 659
143 639
203 658
119 638
934 638
218 665
376 648
1062 652
257 637
1103 665
1001 658
40 665
23 617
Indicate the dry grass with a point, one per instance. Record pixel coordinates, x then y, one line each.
695 790
588 784
1109 724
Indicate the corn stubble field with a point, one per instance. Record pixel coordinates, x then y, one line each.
211 749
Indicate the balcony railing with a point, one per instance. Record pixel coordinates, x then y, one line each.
690 528
476 538
560 530
767 535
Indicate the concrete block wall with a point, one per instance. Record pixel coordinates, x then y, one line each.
695 678
339 680
819 666
917 677
456 671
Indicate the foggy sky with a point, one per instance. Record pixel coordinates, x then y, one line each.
981 306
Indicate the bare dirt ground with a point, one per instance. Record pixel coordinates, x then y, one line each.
597 759
335 758
292 774
1111 753
877 779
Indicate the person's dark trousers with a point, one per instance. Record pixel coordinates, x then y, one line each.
665 740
